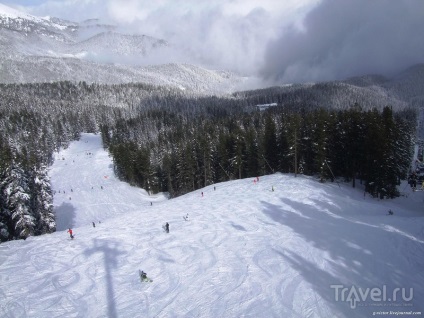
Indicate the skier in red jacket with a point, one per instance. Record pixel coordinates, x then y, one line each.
70 233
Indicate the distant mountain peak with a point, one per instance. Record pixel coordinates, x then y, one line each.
9 12
35 49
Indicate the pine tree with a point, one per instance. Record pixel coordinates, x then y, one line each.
16 193
270 147
43 202
285 163
320 143
374 150
293 137
252 153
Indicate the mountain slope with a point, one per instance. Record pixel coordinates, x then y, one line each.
245 251
20 22
116 43
401 91
93 193
34 49
192 78
407 86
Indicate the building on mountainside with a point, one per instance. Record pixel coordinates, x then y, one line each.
265 106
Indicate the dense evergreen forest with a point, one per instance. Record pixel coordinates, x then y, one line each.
164 139
184 155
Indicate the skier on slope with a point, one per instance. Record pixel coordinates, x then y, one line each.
167 227
70 233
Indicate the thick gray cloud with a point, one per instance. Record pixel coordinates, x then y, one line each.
281 41
342 38
220 34
217 34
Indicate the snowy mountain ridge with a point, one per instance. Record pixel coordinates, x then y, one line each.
9 12
17 21
278 247
34 49
13 14
65 37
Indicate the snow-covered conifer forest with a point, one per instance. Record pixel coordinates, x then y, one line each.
167 140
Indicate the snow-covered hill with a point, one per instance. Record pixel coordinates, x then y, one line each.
17 22
302 250
119 44
405 87
65 37
191 78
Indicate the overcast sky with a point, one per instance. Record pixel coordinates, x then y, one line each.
281 40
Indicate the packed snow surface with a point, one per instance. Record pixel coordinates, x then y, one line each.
278 247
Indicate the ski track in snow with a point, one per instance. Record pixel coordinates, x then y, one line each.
245 251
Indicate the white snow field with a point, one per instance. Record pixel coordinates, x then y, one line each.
306 249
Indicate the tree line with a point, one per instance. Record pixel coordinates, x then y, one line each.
371 146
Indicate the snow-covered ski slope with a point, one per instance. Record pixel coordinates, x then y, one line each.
302 250
86 189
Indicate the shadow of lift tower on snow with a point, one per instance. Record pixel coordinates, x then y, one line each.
110 252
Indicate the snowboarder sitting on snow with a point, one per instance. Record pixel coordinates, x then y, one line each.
70 233
143 275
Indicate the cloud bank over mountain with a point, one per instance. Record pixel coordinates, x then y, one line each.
348 38
280 41
217 34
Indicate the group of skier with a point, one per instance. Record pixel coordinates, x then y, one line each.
166 225
412 181
71 235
